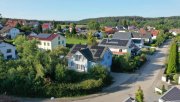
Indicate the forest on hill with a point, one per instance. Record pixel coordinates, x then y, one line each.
159 22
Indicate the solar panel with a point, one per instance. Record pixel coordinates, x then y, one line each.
116 42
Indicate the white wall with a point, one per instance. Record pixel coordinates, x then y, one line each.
83 61
4 47
52 44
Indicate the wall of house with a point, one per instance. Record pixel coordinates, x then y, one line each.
154 37
14 32
128 50
46 45
72 63
58 41
4 50
107 60
49 45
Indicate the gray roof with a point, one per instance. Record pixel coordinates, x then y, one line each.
115 43
91 53
138 35
43 35
172 95
122 35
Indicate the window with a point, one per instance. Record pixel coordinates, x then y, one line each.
63 42
40 43
44 43
77 57
59 42
59 38
72 64
9 57
120 50
47 44
9 51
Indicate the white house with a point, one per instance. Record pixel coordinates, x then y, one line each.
119 47
8 50
175 32
49 41
9 31
82 57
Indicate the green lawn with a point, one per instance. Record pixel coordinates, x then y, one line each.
76 41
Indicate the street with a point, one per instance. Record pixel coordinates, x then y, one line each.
147 78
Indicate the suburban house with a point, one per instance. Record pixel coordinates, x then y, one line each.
143 34
49 41
14 22
47 26
154 33
175 31
34 24
10 32
7 50
83 57
109 30
139 42
98 34
120 46
172 95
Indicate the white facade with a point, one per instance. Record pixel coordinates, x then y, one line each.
13 32
8 50
49 45
154 37
120 51
82 64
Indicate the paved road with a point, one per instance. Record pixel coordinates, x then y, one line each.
148 77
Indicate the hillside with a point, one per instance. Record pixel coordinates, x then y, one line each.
170 22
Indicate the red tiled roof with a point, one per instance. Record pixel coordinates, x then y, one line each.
50 38
142 31
13 23
46 25
155 32
109 30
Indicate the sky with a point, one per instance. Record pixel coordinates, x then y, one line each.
83 9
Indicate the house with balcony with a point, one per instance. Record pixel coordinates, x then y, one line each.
120 46
83 57
49 41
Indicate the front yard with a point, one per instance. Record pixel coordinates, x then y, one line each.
72 40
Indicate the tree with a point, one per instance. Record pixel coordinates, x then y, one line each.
73 28
172 60
58 27
39 28
125 23
60 73
91 39
18 26
94 25
139 95
163 89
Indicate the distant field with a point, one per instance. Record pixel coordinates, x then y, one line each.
79 26
76 41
